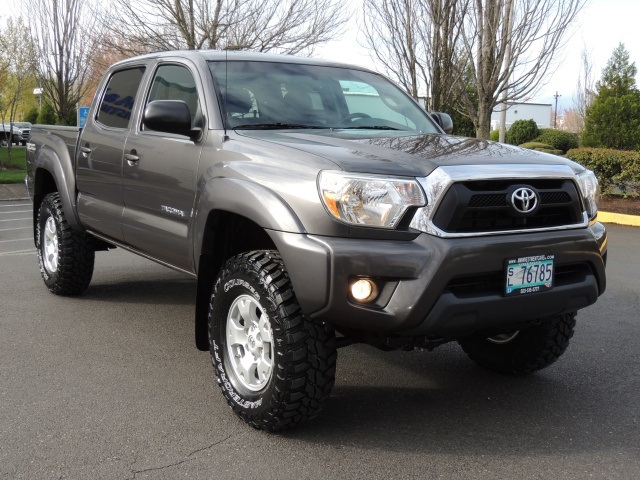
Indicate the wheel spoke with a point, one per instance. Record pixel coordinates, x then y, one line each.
246 368
51 227
245 306
263 368
235 316
265 328
236 336
256 315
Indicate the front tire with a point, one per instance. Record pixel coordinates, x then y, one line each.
275 367
65 257
523 351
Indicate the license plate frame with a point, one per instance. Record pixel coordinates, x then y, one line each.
530 274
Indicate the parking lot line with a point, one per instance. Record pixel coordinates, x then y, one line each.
17 228
15 240
14 205
17 252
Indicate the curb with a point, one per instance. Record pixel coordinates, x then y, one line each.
13 192
619 218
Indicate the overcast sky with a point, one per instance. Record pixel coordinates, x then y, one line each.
601 25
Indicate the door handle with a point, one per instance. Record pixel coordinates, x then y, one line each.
85 151
131 158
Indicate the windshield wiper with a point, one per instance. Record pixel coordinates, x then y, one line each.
370 127
276 126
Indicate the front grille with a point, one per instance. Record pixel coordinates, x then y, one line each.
485 206
488 200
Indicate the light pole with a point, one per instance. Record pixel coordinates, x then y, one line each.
555 111
38 91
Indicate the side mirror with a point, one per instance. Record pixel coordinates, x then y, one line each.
443 120
169 116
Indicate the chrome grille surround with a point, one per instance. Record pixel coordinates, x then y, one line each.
438 183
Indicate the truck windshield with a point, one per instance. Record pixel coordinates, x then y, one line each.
270 95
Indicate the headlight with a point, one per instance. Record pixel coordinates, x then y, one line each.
590 192
368 200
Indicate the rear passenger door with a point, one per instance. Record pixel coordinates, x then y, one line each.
100 156
160 173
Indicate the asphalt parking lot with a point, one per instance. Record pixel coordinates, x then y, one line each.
110 385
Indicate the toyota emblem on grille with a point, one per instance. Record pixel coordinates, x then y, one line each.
524 200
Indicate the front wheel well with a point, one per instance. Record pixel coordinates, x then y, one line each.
44 183
226 234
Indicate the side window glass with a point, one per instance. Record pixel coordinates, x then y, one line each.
117 103
173 82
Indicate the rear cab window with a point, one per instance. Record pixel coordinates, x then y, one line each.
119 98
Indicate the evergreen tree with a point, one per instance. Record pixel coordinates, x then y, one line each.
613 120
32 115
47 115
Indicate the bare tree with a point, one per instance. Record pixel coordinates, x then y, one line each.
415 41
393 32
4 60
4 71
284 26
537 32
62 32
442 35
572 121
478 52
585 89
16 73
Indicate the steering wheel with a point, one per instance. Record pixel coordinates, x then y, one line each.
352 116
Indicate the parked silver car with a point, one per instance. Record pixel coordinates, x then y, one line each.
14 137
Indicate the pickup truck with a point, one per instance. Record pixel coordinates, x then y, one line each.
25 131
317 205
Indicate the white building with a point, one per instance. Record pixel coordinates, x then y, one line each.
539 112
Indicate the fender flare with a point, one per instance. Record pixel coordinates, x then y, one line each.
255 202
60 167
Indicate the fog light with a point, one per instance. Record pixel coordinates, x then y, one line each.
363 290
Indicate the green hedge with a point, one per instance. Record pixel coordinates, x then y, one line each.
615 169
522 131
558 139
536 146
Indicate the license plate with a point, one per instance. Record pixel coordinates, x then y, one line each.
529 274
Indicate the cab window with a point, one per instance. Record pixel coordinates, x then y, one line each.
119 97
175 82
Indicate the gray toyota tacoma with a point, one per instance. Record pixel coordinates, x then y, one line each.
317 205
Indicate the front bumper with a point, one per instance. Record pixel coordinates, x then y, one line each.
446 288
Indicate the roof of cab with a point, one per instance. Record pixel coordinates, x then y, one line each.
222 55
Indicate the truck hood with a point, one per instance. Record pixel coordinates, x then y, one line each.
414 156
